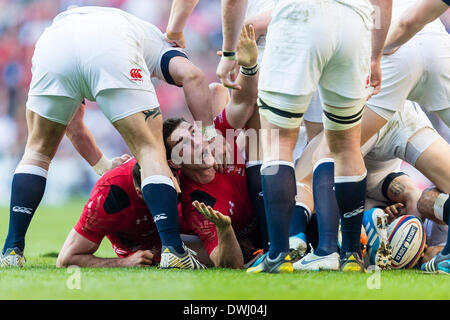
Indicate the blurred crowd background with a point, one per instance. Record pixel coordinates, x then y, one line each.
21 24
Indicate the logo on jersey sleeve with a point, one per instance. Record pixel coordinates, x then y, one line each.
136 74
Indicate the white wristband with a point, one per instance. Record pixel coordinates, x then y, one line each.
103 165
209 132
438 207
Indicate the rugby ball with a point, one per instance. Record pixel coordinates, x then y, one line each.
407 239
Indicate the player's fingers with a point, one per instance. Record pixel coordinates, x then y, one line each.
219 53
196 205
244 32
125 157
252 32
147 254
205 210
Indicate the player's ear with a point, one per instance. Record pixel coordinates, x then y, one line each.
139 192
172 165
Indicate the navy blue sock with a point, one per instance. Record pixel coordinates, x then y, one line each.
446 218
161 198
351 196
26 193
278 185
327 211
256 196
299 220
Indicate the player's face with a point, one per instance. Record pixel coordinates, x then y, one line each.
189 149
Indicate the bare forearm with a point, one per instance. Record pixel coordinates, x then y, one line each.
179 14
86 146
383 15
233 12
412 21
89 260
228 252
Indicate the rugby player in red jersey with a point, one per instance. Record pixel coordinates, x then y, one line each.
115 210
225 193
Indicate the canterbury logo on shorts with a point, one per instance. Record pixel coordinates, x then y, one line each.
22 210
136 74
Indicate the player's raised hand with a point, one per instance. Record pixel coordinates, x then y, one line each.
140 258
247 50
220 220
117 161
176 39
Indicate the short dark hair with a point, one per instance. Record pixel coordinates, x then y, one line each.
137 175
169 127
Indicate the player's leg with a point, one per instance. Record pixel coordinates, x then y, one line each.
253 172
30 176
313 118
180 71
277 172
435 205
142 131
343 134
434 161
304 206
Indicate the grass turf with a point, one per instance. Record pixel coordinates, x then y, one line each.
41 280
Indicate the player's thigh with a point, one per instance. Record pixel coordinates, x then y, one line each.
47 118
401 73
280 116
444 115
371 123
434 163
298 45
433 91
136 115
348 69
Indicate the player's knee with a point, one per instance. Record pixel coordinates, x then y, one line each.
193 74
283 110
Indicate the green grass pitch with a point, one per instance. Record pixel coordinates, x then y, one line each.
40 279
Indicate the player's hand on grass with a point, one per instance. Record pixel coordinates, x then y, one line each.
375 77
176 39
394 211
220 220
140 258
117 161
247 50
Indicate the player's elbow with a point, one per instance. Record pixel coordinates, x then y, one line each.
63 261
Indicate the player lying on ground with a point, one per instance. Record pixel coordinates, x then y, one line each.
225 192
116 209
109 57
408 135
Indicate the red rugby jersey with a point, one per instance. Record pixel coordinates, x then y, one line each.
227 193
115 211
